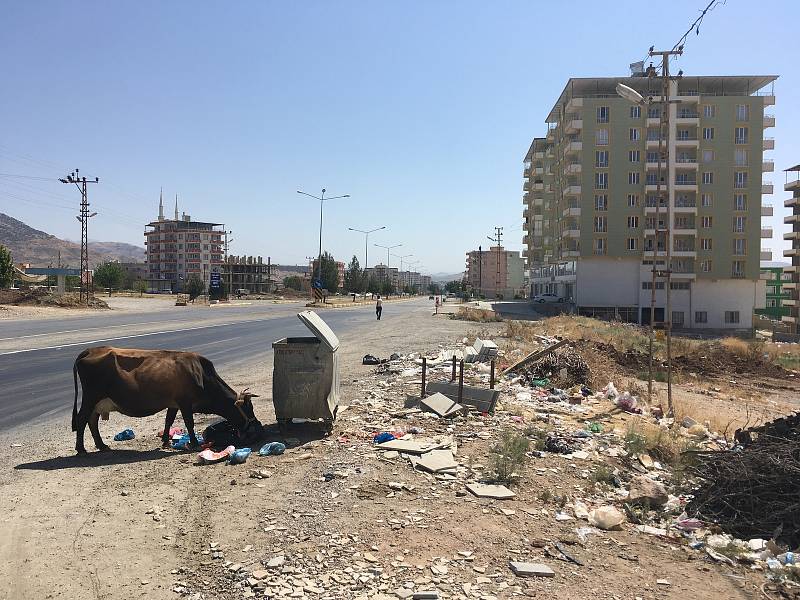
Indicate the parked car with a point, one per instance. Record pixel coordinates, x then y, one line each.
542 298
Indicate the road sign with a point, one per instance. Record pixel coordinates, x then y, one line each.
215 280
317 283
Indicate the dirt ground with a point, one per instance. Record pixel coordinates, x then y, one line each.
139 522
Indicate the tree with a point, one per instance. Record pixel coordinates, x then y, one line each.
373 287
434 289
354 277
387 288
140 285
109 275
453 287
194 286
6 268
293 282
330 273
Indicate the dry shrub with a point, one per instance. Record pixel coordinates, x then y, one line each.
508 454
665 445
735 346
477 315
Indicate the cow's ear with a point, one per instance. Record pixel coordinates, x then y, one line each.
254 395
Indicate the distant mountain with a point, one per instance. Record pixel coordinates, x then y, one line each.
40 249
444 277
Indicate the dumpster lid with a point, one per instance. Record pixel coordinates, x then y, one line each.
320 329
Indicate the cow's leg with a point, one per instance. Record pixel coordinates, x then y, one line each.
95 429
188 420
171 413
79 431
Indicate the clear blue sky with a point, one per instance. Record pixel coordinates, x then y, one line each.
422 111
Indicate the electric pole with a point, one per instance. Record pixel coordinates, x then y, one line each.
498 237
83 216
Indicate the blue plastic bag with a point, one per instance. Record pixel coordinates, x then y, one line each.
272 448
239 456
382 437
126 434
182 443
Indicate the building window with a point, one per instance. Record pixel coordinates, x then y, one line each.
707 222
633 243
700 316
742 112
677 318
708 133
600 246
740 158
705 244
739 179
636 112
708 177
708 156
739 224
772 303
731 316
740 135
679 285
740 202
648 285
633 156
600 224
705 266
633 200
601 202
739 247
633 178
601 137
737 269
706 200
601 181
709 111
601 158
633 222
602 114
634 134
654 113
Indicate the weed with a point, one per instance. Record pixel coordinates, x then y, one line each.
508 455
477 315
603 474
537 437
545 495
666 445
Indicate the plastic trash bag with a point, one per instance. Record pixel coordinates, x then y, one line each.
207 457
239 456
126 434
272 449
382 437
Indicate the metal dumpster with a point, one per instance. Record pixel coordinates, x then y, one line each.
305 378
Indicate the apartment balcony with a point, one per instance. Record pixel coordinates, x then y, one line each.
574 104
788 285
572 211
687 143
769 100
684 253
791 219
792 235
526 172
684 231
685 186
790 269
767 166
791 202
538 201
685 208
571 233
526 213
525 239
791 186
573 168
652 165
685 163
789 302
766 233
788 319
689 119
769 121
766 210
653 253
571 254
654 209
766 254
551 134
573 147
539 154
538 186
768 144
572 190
683 276
766 187
686 99
653 121
652 143
574 126
526 185
538 170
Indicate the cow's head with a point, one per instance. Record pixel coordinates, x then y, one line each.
244 405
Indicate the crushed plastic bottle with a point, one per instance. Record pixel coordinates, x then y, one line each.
239 456
125 434
272 449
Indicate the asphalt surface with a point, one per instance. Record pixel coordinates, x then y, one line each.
37 382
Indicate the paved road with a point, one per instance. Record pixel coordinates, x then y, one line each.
38 382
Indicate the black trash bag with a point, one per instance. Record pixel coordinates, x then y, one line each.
370 360
222 434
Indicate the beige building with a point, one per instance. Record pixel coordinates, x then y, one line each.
496 273
793 220
595 224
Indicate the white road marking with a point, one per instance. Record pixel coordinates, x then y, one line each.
87 329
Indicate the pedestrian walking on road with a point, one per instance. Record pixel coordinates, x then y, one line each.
379 307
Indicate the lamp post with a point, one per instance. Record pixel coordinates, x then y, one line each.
388 248
321 199
366 241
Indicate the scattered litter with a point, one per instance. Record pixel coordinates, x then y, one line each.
272 449
184 441
239 456
436 461
483 490
207 457
525 569
407 446
382 437
125 434
441 405
607 517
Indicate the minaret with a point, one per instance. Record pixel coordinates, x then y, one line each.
161 205
176 207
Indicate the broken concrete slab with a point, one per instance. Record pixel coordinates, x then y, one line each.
470 355
483 400
436 461
441 405
485 349
526 569
485 490
407 446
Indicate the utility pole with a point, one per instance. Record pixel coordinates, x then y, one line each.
480 272
498 237
228 261
83 216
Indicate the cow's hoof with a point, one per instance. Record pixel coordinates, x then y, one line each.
166 445
80 451
103 448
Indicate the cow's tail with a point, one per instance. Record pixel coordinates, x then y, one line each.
75 380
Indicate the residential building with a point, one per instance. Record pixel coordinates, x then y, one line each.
313 267
413 279
592 210
496 273
774 277
249 273
793 301
383 273
134 271
179 248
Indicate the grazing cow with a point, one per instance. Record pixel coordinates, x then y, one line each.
140 383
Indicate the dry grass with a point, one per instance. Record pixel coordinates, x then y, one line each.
477 315
665 445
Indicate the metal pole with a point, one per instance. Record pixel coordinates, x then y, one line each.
453 376
491 376
461 382
668 284
424 373
319 259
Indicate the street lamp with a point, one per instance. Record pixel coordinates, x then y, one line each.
629 94
321 199
366 241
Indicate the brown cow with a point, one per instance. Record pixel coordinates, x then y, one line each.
140 383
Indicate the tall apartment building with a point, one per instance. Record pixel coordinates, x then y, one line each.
383 273
413 279
590 199
249 273
179 248
496 273
793 287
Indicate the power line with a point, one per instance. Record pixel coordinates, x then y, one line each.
695 26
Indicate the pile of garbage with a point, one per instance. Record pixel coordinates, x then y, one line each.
565 367
754 488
